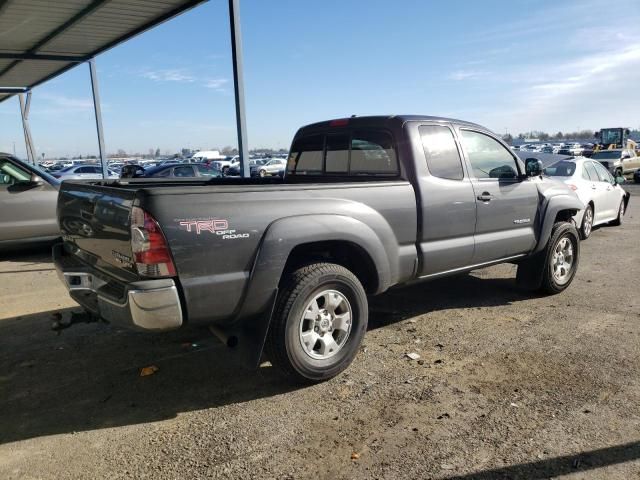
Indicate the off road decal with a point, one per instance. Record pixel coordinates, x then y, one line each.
215 226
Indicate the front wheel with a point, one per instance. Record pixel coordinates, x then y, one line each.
320 320
561 259
262 173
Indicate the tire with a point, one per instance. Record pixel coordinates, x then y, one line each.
303 290
553 279
225 171
262 173
636 178
587 223
618 221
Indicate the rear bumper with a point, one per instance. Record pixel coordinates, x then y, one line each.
148 305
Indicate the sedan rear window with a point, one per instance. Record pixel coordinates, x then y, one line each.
561 169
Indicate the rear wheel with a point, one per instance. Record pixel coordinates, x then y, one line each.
225 170
262 173
619 219
587 223
319 322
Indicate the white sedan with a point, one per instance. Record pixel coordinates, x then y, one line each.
80 172
604 199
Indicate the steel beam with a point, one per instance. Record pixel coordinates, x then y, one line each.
24 114
57 31
41 56
238 85
98 113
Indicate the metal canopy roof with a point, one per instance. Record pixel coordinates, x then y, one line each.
40 39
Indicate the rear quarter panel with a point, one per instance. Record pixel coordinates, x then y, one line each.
215 233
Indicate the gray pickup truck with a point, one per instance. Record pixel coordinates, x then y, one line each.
286 266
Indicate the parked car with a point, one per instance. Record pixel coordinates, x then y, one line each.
181 170
79 172
28 199
366 203
619 161
224 165
274 166
234 169
604 200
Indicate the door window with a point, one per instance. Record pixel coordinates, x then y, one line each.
591 170
488 158
183 172
443 158
603 173
10 174
586 175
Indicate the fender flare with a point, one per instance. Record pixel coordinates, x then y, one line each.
285 234
252 322
555 205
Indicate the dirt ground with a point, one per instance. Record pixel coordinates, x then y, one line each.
508 385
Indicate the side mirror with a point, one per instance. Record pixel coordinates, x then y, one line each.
533 167
36 179
5 179
619 180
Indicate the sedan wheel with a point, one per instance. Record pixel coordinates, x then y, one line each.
587 223
263 173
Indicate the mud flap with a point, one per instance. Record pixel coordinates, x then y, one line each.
246 338
531 271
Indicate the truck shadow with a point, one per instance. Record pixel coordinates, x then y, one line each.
88 377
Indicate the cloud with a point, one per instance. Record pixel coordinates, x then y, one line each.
64 102
460 75
216 83
169 75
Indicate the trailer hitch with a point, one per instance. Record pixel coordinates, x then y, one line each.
58 323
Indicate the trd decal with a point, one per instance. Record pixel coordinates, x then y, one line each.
219 227
205 225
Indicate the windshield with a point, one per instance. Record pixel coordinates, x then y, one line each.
607 154
562 168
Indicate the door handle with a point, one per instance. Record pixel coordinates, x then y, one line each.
485 197
593 187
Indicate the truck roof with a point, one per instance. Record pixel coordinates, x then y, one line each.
382 121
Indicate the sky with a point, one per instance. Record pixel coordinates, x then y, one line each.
513 66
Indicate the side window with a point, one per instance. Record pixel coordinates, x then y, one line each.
603 173
10 173
164 173
586 174
337 154
183 172
443 158
306 155
84 170
488 158
372 152
591 170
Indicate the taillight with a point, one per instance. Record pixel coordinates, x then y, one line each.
341 122
572 186
149 247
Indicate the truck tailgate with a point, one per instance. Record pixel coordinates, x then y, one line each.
96 219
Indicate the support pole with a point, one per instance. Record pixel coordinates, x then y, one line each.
238 85
24 113
98 114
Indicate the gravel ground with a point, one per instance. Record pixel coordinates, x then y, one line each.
508 385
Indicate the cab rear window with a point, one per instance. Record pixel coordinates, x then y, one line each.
360 152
